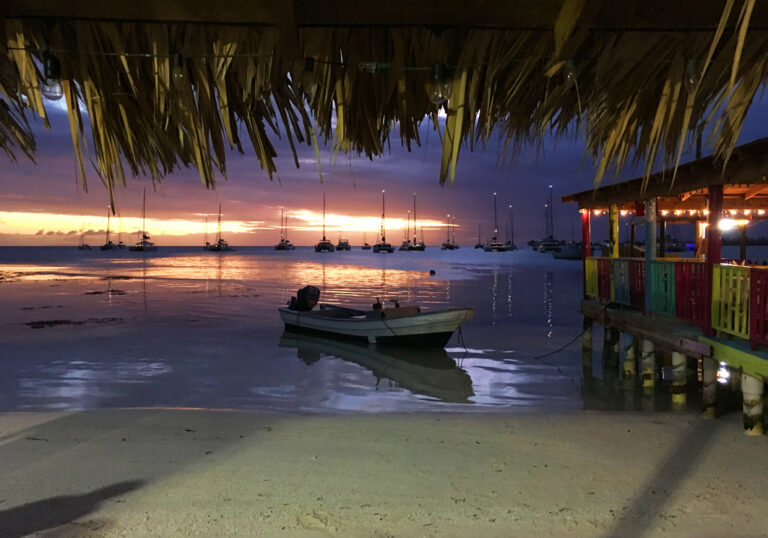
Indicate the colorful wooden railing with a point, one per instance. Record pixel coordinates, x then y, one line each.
637 283
730 299
691 301
590 277
628 280
620 280
758 305
739 300
662 282
604 288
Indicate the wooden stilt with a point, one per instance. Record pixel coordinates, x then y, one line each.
610 351
709 390
630 359
679 378
587 337
649 365
752 392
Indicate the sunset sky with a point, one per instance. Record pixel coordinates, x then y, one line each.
41 204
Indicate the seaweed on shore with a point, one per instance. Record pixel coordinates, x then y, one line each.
41 324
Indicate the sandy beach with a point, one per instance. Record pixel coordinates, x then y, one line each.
144 472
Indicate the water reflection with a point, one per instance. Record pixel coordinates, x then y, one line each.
548 278
428 372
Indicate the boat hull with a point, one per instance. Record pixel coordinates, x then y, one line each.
430 329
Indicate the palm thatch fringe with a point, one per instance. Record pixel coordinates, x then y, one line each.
160 96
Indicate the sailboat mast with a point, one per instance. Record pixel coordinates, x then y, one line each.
323 216
383 240
408 225
448 228
453 230
550 216
206 229
218 229
414 219
511 227
109 208
495 220
478 233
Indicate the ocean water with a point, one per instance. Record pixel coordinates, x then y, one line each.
181 327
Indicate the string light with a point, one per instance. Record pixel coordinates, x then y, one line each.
440 84
664 212
51 85
623 212
569 73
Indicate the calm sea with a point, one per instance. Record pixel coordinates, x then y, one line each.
181 327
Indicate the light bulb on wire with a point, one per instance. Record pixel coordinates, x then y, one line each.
178 74
569 72
440 84
51 85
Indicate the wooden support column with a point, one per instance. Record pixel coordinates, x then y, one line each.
662 238
650 246
629 366
709 386
632 239
743 243
610 353
586 248
613 231
679 378
587 337
701 233
648 358
714 248
752 391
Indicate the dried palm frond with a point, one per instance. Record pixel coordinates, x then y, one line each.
160 96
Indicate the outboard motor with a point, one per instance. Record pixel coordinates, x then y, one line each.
305 300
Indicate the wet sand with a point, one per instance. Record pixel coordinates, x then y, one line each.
165 472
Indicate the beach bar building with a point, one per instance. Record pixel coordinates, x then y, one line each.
705 307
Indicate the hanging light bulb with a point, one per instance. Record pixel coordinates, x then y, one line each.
691 79
51 86
569 72
308 80
440 84
179 74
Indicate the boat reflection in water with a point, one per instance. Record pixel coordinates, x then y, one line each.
429 372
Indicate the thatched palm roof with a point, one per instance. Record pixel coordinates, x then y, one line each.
637 78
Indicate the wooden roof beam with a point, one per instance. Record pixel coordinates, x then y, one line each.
754 191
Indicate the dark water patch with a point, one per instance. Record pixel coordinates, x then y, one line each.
41 324
106 292
117 277
44 307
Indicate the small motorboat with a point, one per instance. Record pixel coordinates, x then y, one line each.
397 325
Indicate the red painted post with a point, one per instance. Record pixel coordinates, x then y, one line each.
586 249
714 246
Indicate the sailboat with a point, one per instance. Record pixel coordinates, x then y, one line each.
343 243
510 243
416 245
324 245
220 245
108 244
83 245
449 244
143 244
382 245
284 243
406 244
494 245
479 243
365 246
549 243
